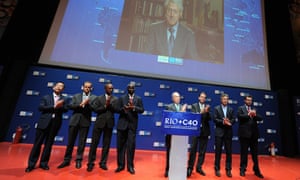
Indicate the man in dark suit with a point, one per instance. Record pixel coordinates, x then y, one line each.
203 108
79 123
223 119
105 106
171 37
52 107
177 107
130 106
248 135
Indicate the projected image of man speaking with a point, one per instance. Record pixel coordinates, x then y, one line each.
179 29
170 37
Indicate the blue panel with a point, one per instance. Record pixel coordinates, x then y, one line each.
156 94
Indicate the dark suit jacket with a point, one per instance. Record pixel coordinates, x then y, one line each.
46 108
81 116
129 119
105 116
247 126
205 118
184 46
221 129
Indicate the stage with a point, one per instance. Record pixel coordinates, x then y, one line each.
149 165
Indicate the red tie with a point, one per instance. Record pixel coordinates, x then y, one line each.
131 100
107 100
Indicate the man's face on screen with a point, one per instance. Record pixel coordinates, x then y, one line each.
172 14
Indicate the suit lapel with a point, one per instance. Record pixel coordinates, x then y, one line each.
103 99
164 35
198 107
221 110
80 98
51 100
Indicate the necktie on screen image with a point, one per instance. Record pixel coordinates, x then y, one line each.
171 40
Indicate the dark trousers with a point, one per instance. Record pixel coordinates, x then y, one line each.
227 141
245 143
126 140
72 135
202 142
168 138
107 134
45 136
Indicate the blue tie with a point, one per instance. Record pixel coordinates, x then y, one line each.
177 107
171 40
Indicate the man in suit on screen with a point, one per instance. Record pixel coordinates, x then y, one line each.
171 37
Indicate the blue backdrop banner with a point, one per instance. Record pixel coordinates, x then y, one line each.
181 123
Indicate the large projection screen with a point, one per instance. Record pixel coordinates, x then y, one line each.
225 43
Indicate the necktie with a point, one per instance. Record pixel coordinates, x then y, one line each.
177 107
107 100
248 108
171 40
130 100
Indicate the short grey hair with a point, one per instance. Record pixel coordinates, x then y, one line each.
179 3
175 93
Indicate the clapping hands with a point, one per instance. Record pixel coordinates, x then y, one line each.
252 113
227 122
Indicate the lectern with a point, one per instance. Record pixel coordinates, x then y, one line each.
180 125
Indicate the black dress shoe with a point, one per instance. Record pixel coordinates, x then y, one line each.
228 173
29 169
166 173
63 164
131 170
78 164
258 174
119 169
189 172
103 166
200 171
45 167
90 167
217 172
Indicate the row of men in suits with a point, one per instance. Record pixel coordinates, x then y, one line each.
223 117
52 107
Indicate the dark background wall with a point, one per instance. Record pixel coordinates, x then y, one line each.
26 32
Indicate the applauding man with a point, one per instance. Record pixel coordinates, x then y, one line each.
248 135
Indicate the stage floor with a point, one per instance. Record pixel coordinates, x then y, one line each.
149 165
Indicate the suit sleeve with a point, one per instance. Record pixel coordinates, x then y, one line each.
217 118
45 105
139 107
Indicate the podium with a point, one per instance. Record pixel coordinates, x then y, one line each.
180 125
